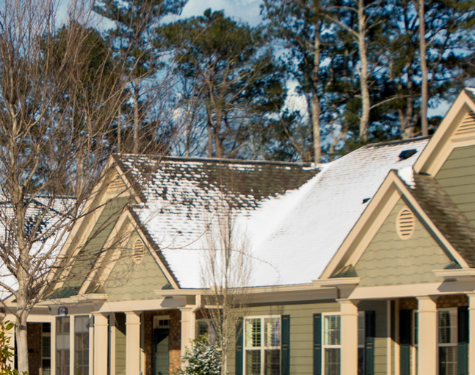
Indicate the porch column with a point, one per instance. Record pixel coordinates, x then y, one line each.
188 321
427 335
349 336
132 343
100 344
471 333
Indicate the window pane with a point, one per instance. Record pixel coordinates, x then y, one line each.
448 360
253 362
447 327
253 333
332 361
361 361
272 332
332 330
272 364
81 345
361 329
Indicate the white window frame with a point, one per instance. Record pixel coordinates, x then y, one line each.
327 346
262 348
451 344
158 318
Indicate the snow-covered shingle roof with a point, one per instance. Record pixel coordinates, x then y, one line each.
293 217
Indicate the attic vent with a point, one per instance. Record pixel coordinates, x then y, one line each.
467 126
138 251
117 184
405 223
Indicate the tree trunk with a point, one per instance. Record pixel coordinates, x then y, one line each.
423 48
136 117
365 98
316 129
21 335
315 103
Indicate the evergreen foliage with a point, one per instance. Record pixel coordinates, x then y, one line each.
203 358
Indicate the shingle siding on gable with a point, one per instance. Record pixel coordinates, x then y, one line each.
129 281
457 177
97 238
385 260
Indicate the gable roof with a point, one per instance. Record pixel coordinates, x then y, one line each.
445 214
293 217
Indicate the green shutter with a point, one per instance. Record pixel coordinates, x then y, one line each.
405 341
370 333
285 353
462 349
239 347
317 344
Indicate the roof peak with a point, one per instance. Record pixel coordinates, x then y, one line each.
396 142
184 159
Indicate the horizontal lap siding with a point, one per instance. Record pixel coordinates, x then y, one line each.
301 332
457 177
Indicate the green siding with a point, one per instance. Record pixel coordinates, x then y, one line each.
381 334
301 332
457 177
120 344
389 260
96 240
129 281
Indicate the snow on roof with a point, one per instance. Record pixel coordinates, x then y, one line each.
292 231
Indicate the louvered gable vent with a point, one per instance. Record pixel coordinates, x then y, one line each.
467 127
117 184
405 223
138 251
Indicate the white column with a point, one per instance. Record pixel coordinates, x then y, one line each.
53 346
71 346
188 321
100 344
471 334
427 335
132 343
349 336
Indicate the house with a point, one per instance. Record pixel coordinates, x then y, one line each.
365 265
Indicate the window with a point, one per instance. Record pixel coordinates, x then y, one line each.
81 345
205 327
447 340
62 346
46 349
161 321
262 345
331 344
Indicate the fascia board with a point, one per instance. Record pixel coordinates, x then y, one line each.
443 133
429 224
380 199
151 246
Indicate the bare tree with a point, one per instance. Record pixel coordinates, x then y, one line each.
59 96
226 271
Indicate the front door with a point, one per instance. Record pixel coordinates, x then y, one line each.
161 363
